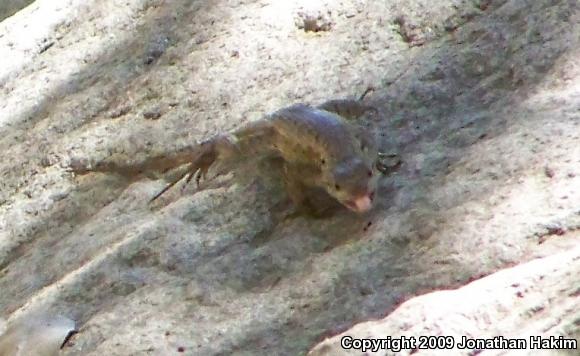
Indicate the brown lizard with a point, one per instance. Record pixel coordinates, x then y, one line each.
319 147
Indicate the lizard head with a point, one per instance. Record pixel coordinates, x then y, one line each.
353 183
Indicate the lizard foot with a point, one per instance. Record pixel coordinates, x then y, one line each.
388 163
198 167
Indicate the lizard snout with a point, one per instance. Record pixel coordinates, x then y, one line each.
361 203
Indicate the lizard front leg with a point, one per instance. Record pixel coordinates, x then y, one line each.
352 109
347 108
300 183
388 163
294 186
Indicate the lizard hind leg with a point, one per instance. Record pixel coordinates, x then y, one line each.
205 156
168 186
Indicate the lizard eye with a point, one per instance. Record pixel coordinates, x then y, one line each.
369 173
323 161
337 187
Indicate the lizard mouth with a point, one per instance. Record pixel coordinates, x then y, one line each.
361 204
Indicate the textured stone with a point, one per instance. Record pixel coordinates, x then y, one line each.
476 113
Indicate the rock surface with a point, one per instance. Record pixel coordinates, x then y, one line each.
38 335
10 7
535 299
481 99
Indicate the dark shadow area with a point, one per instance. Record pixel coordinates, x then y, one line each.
10 7
448 89
124 65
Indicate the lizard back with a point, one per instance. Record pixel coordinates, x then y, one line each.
305 133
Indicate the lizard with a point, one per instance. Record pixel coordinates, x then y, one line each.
320 147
